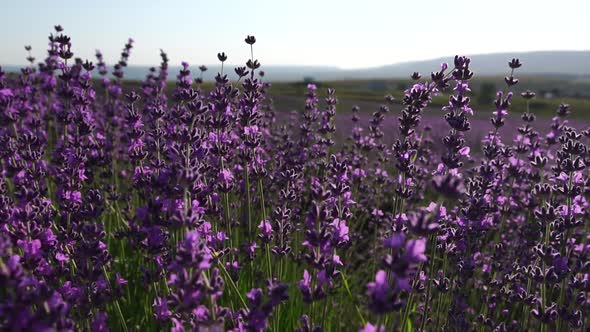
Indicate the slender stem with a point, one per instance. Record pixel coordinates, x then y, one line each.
358 311
429 285
263 207
226 209
248 201
117 306
233 285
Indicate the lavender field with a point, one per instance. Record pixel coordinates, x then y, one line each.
207 208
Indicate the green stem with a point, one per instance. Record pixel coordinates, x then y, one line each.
117 306
248 201
358 311
430 277
263 207
232 284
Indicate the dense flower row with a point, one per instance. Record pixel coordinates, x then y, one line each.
199 208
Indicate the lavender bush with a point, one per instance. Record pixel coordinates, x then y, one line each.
197 208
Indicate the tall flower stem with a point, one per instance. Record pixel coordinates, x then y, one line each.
267 246
248 200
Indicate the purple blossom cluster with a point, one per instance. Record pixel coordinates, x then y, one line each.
194 207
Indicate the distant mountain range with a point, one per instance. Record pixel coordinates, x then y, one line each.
575 64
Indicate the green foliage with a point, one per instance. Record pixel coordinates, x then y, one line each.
486 93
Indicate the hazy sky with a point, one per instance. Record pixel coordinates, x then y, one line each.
347 34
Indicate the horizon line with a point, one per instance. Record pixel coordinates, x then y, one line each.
340 68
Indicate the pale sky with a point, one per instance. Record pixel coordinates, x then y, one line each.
346 34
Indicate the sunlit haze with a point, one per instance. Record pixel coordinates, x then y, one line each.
345 34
